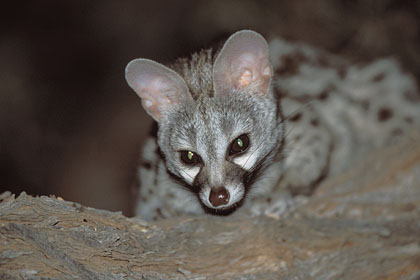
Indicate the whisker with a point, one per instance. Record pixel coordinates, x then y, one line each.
305 105
183 170
288 132
248 158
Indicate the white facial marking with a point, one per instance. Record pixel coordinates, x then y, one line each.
236 193
204 196
247 160
189 174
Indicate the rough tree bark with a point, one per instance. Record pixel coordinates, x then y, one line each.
364 224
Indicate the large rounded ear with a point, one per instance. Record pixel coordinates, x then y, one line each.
159 87
243 62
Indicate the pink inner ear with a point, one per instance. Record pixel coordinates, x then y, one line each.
157 92
244 80
243 62
250 68
158 86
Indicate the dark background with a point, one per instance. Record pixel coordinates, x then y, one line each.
70 125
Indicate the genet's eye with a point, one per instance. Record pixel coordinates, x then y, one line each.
239 145
189 157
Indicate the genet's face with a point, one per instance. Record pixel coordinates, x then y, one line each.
219 146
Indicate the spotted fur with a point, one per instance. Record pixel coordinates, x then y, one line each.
319 115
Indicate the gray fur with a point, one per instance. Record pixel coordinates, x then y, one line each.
320 127
220 105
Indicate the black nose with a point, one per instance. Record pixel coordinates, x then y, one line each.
219 196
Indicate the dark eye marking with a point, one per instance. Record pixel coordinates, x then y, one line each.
239 145
189 158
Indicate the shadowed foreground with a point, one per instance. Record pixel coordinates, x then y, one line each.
364 224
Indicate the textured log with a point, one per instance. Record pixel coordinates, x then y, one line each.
364 224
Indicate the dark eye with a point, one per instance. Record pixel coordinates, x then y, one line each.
239 145
189 157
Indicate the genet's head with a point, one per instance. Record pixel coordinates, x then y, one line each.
216 143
